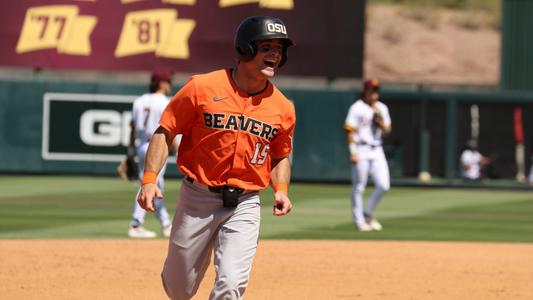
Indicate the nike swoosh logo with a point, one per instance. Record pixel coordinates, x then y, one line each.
218 98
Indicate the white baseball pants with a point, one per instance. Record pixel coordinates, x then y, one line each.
161 212
379 170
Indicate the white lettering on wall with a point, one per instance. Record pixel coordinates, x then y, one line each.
105 127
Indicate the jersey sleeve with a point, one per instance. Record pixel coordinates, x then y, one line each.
386 115
351 122
180 113
134 112
281 145
465 158
162 105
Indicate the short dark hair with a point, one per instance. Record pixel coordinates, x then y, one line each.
154 86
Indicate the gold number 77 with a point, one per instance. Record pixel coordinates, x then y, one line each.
44 19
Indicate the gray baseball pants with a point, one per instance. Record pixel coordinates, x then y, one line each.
201 226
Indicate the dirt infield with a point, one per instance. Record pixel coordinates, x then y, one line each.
128 269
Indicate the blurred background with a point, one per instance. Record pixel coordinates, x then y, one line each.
451 71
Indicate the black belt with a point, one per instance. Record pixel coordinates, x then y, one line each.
367 144
215 189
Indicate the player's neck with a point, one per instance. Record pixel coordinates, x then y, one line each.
370 102
247 83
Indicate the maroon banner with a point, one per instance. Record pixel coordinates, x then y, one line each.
182 35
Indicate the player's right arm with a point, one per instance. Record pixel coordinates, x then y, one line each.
177 118
156 157
354 158
350 126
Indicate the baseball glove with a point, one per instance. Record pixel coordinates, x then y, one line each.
127 169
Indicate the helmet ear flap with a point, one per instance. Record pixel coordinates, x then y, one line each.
246 52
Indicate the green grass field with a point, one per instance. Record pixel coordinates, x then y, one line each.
97 207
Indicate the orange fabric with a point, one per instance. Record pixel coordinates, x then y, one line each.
229 137
348 128
282 187
149 177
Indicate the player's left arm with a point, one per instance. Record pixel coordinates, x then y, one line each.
280 176
352 146
280 150
485 160
175 145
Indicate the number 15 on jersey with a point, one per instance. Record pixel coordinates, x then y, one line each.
260 154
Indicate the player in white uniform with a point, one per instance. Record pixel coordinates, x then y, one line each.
472 161
367 121
146 113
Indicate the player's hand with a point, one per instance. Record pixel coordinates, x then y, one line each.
378 120
354 159
146 197
282 204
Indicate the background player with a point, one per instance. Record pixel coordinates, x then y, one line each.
146 113
237 136
367 121
473 163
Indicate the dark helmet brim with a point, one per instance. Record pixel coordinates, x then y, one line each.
286 41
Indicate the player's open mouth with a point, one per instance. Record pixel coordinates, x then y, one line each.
270 63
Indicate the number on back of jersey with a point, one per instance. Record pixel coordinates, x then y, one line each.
146 116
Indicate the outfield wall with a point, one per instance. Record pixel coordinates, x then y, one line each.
57 127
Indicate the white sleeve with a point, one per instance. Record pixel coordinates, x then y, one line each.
386 115
134 112
162 106
465 158
351 118
476 158
178 138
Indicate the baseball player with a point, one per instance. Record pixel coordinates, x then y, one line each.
368 120
237 132
473 162
146 113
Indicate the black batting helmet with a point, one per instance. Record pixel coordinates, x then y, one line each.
258 28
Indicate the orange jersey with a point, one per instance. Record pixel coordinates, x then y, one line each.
229 137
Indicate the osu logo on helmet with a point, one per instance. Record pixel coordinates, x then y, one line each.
276 27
